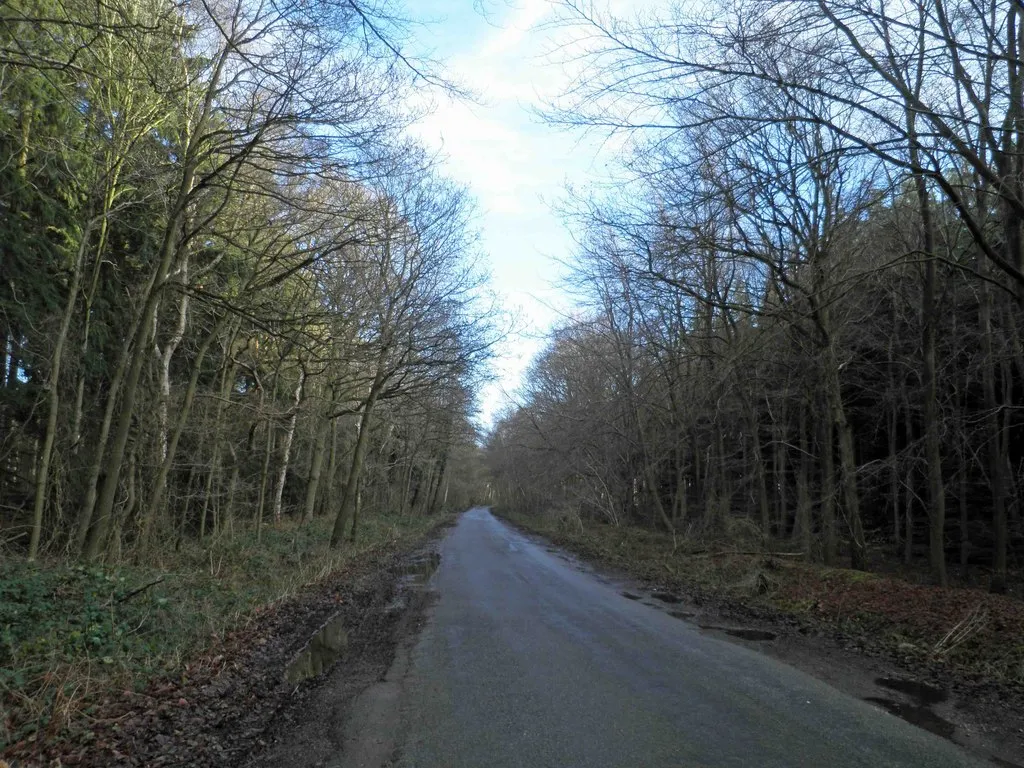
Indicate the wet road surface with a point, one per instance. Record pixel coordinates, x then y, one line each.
527 660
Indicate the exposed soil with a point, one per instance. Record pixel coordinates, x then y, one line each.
225 705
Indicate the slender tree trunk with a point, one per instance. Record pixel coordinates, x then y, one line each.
228 519
137 356
994 442
894 476
53 399
169 445
442 475
289 436
264 478
780 471
803 495
85 517
316 465
847 461
165 355
332 471
348 497
829 547
908 504
763 508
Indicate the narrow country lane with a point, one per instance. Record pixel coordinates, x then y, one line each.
526 660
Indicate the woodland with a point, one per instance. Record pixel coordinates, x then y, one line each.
800 319
233 292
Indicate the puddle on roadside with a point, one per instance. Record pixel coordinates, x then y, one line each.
923 693
323 649
759 635
421 568
666 597
916 714
630 596
751 634
682 614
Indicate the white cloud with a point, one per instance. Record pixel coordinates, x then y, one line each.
514 167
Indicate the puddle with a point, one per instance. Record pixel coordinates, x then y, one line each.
666 597
422 566
682 614
741 632
323 650
630 596
751 634
918 715
923 693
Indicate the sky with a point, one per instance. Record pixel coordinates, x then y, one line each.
514 166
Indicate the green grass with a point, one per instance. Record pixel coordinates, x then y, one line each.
69 633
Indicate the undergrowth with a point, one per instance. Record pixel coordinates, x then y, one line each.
71 632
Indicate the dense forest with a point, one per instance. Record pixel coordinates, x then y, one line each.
231 290
802 317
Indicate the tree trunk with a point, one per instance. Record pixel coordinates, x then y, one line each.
53 399
829 545
894 476
803 496
348 497
316 465
169 445
908 504
847 461
994 443
289 436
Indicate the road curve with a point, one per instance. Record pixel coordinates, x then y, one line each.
527 660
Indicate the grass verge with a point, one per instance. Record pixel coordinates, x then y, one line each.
70 634
974 635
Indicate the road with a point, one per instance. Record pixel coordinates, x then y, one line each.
527 660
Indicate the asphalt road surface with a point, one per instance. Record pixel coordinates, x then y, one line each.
527 660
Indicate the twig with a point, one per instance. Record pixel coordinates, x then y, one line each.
705 553
134 592
970 625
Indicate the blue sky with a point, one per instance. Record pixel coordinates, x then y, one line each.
514 166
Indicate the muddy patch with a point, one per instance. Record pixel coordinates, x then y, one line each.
916 714
630 596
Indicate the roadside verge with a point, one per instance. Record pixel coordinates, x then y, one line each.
213 707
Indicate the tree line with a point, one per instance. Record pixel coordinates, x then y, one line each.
231 289
803 311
